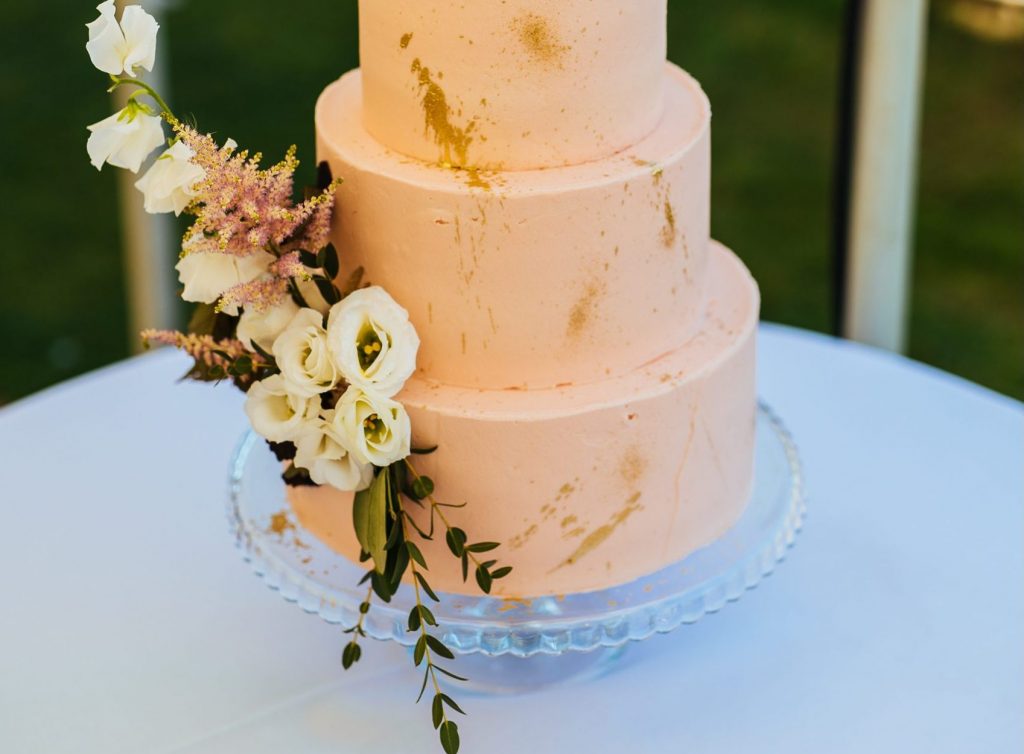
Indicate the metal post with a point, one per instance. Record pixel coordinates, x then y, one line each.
149 249
888 96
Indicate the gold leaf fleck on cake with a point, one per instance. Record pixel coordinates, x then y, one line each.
514 603
565 491
521 539
452 140
541 40
632 466
600 535
585 308
669 231
280 524
406 39
568 521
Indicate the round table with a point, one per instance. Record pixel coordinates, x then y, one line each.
129 622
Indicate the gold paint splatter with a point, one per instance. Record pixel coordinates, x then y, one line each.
568 521
584 309
668 233
598 537
452 140
540 39
633 466
521 539
514 603
280 524
476 179
406 39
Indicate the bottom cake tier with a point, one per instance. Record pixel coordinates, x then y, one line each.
587 486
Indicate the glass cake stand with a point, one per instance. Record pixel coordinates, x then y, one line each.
514 645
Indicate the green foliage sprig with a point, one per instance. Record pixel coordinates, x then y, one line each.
384 527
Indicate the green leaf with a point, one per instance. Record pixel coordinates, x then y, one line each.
439 647
308 259
483 579
501 572
424 451
422 487
297 296
423 686
437 711
331 264
203 318
414 620
369 515
428 617
419 650
364 608
456 539
451 703
415 554
327 290
426 587
465 566
350 656
449 733
381 586
352 283
483 547
449 673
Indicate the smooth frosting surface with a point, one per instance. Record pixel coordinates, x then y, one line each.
532 279
593 485
514 84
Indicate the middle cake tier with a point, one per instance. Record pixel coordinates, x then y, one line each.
531 279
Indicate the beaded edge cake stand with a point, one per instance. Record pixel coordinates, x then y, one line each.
498 632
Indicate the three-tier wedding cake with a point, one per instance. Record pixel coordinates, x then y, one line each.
531 180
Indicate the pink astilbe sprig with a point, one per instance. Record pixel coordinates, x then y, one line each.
290 266
202 348
241 207
257 295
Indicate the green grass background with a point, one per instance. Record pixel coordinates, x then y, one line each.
253 69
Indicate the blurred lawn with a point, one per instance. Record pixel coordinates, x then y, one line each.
252 70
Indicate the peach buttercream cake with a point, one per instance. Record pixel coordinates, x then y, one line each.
531 179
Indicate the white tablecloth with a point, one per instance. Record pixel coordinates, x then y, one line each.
129 622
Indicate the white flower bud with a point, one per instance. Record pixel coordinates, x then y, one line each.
322 452
117 48
169 185
276 414
303 357
124 139
373 342
208 275
377 429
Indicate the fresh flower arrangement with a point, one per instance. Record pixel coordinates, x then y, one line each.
321 364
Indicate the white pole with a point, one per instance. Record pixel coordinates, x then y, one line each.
148 240
885 171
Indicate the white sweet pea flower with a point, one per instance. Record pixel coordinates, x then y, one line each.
373 342
321 450
262 328
169 185
278 415
116 48
377 429
124 139
303 357
208 275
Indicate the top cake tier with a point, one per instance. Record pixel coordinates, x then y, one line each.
512 84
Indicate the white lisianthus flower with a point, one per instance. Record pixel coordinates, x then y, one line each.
322 451
303 357
377 429
373 342
208 275
278 415
312 296
262 328
116 48
169 185
124 139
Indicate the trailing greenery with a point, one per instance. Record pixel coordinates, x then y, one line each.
385 530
